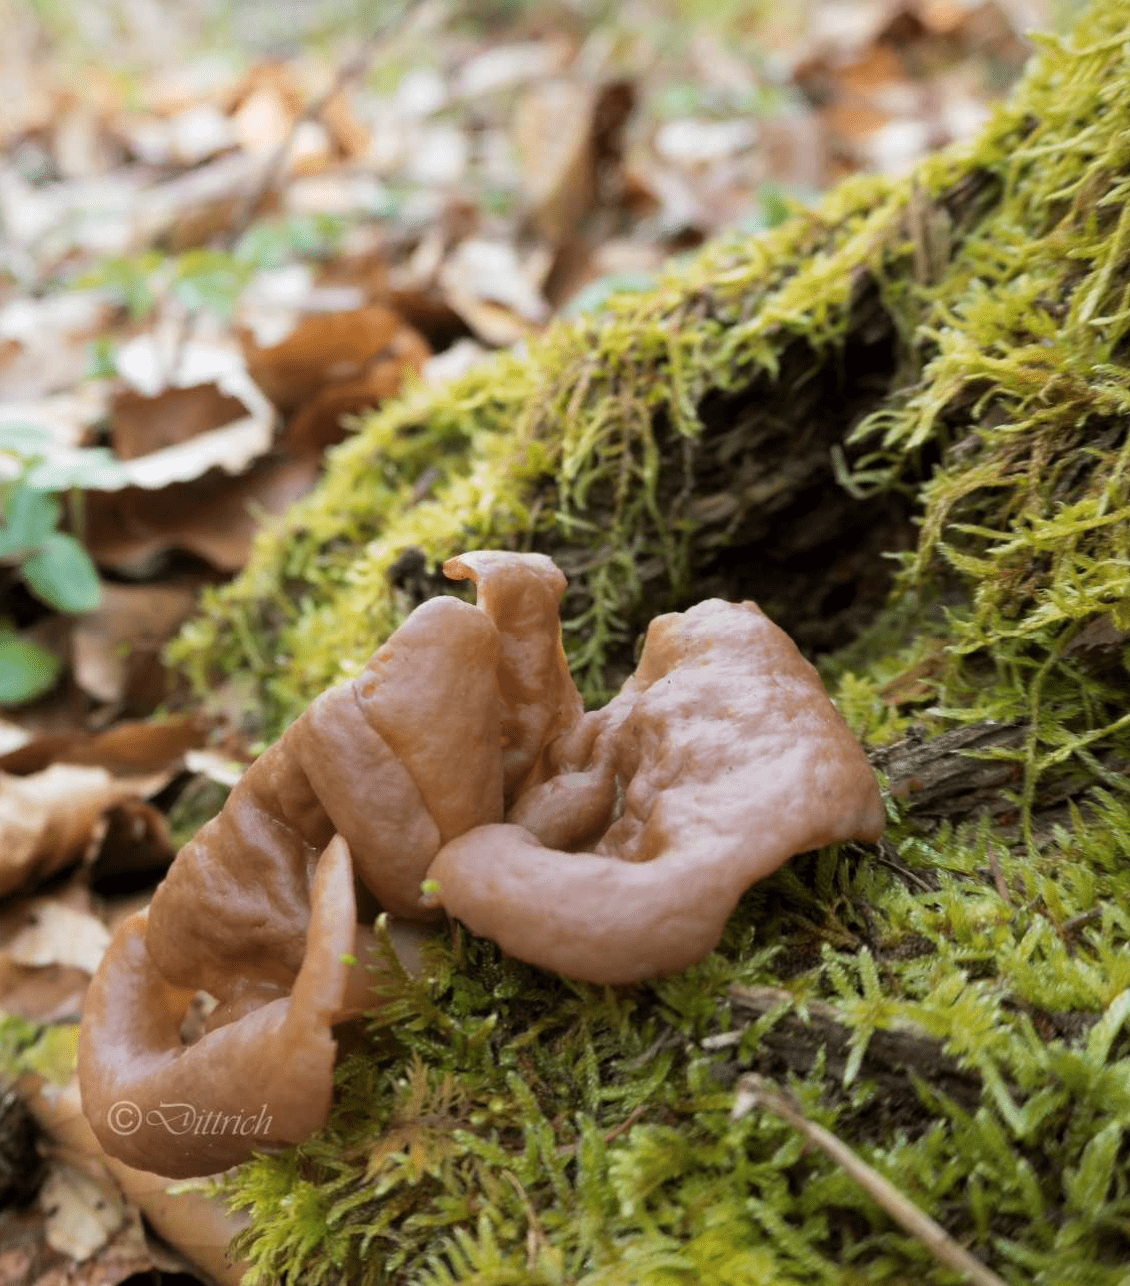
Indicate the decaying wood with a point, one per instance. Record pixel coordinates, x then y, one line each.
894 1055
945 777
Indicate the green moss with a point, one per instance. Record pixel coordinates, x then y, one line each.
501 1125
508 1126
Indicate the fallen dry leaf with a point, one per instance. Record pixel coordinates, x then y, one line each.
44 343
135 846
186 138
199 1227
319 423
555 140
116 649
486 283
502 66
214 516
127 1256
57 934
694 142
141 424
12 736
454 361
81 1212
190 209
425 309
66 417
42 994
334 364
322 349
136 749
47 820
265 107
221 769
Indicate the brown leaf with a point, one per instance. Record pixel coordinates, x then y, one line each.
425 309
323 349
214 517
503 65
349 136
128 749
47 820
334 364
192 1222
486 283
44 342
263 120
126 1256
42 994
136 844
140 424
57 934
554 137
117 647
319 423
81 1212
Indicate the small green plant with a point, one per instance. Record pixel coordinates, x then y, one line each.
53 563
212 279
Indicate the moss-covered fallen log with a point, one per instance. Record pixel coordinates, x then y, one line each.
899 422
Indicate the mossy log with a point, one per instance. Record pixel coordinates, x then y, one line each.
899 422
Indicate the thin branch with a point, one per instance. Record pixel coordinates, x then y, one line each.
755 1091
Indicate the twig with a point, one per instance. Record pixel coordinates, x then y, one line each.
627 1123
349 70
754 1091
535 1238
998 876
887 856
571 1149
1084 917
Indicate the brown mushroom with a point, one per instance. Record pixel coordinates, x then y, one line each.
610 846
721 757
371 781
186 1110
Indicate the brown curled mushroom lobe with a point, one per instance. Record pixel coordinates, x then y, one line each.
258 908
720 758
188 1110
521 593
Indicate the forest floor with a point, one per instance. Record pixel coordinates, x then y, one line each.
227 229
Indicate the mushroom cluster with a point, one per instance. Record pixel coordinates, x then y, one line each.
460 774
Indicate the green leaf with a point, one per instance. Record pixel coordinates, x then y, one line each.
1102 1034
593 297
1087 1187
24 438
30 517
93 468
26 669
130 278
211 280
63 575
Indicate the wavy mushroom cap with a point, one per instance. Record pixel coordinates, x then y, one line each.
721 757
